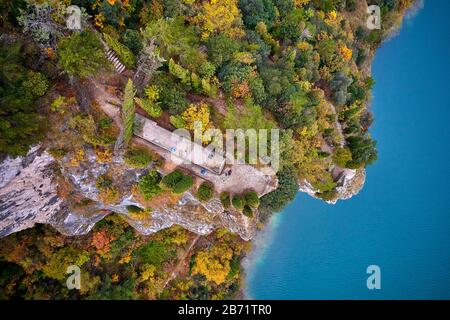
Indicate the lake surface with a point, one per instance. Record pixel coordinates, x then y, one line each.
400 221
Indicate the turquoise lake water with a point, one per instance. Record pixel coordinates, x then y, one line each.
400 221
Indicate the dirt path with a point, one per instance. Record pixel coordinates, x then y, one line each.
177 268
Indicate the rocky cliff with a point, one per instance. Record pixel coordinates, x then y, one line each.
348 183
39 189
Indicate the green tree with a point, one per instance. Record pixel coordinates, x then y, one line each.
81 54
254 11
183 185
363 151
225 199
206 191
128 112
339 85
342 156
20 124
247 211
238 202
171 94
177 181
132 40
149 185
292 25
176 40
221 49
276 200
251 199
137 158
155 252
36 84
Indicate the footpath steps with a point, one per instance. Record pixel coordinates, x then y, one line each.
114 60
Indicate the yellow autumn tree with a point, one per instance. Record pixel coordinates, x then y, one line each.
346 52
221 16
196 112
299 3
214 263
147 273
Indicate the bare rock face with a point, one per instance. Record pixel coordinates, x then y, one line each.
29 195
350 183
195 216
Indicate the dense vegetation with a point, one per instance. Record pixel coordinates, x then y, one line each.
299 65
117 263
177 182
20 87
278 63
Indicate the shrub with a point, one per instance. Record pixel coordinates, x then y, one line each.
125 55
177 181
207 70
103 155
205 191
247 211
251 199
183 185
109 195
323 154
134 209
238 202
225 199
98 140
149 185
105 123
151 107
137 158
327 195
177 121
85 125
342 156
172 178
36 84
58 104
138 213
57 153
103 182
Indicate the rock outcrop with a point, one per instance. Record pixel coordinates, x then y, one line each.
348 183
29 194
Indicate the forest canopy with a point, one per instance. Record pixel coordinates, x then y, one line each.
301 66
